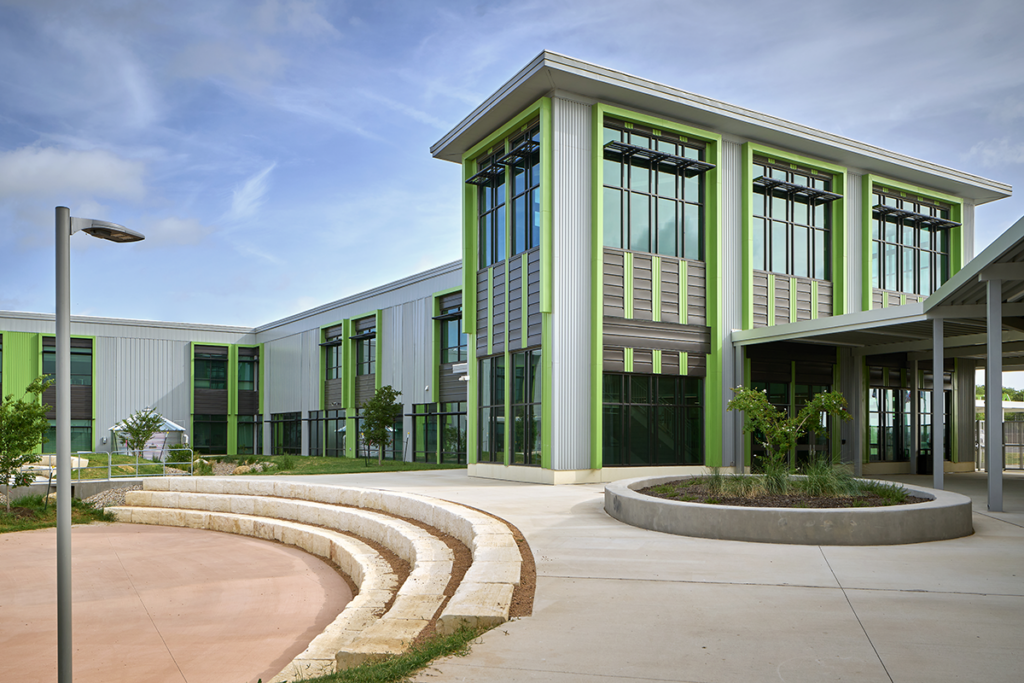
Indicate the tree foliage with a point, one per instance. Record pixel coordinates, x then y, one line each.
1009 393
23 427
379 415
777 431
138 428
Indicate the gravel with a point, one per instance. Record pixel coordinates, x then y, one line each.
111 497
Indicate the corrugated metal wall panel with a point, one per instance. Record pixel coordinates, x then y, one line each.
964 380
283 359
570 355
854 246
731 290
132 374
967 219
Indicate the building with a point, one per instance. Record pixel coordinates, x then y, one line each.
630 252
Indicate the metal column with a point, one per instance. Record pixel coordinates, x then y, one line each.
938 404
994 396
63 447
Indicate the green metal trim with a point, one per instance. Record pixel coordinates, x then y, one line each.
378 350
490 311
508 316
656 361
509 422
684 362
627 277
747 239
684 284
547 225
792 299
232 416
627 358
656 289
22 360
771 299
192 387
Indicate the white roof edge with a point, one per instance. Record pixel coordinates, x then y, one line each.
383 289
83 319
859 320
556 61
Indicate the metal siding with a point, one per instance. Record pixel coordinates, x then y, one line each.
570 355
731 290
964 407
132 374
967 220
515 303
498 307
283 359
854 241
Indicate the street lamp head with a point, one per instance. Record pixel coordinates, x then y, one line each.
105 230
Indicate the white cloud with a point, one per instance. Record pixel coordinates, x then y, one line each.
175 231
249 66
1000 152
249 196
44 171
298 16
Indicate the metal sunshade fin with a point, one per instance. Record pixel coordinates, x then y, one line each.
920 219
486 174
689 166
792 189
520 152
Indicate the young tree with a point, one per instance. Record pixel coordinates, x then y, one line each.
138 428
23 426
379 415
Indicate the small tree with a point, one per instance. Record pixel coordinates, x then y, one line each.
379 415
138 428
23 427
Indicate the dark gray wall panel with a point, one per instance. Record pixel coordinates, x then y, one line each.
333 394
643 287
482 297
643 361
669 276
210 402
656 335
498 308
515 303
366 385
614 359
825 299
248 402
533 320
451 387
614 283
696 293
760 298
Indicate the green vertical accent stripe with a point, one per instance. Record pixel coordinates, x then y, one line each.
903 299
814 299
627 357
684 363
792 299
747 239
628 284
656 361
232 440
771 299
867 284
656 289
508 312
684 309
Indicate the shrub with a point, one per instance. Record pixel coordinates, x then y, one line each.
285 462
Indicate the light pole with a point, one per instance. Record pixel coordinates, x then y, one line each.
66 227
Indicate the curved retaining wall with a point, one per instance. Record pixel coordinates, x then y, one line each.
947 515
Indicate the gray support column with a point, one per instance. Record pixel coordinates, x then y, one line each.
739 438
938 404
994 396
915 419
63 446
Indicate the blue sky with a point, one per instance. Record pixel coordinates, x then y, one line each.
276 153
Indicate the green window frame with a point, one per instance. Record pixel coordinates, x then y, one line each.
906 256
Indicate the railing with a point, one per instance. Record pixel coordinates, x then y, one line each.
128 468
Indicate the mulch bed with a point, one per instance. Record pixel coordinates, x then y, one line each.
699 493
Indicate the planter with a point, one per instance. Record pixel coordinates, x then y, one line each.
945 515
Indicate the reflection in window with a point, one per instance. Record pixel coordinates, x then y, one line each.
492 410
526 407
652 420
454 342
907 254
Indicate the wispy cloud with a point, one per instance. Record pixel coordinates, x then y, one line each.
1000 152
248 197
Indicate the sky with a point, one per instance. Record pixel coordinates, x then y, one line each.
275 153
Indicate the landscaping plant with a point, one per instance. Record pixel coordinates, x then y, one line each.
23 426
138 428
379 415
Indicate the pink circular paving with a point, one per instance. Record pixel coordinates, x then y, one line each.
159 604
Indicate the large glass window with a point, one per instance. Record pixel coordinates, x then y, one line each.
492 410
439 432
652 202
524 167
792 220
211 371
81 364
247 373
653 420
333 356
366 353
454 342
286 433
249 435
909 253
491 209
210 434
526 407
81 437
327 433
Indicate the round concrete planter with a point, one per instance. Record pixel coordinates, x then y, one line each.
946 515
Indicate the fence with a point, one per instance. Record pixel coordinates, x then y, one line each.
1013 445
129 466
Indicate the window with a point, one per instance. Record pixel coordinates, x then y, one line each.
910 243
249 435
81 364
454 344
491 208
518 158
286 433
653 420
889 416
333 355
81 437
327 433
439 432
366 346
211 371
792 220
492 410
653 191
526 407
247 373
210 434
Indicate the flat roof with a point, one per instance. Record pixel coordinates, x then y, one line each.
551 72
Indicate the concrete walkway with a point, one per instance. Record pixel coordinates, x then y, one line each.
161 604
620 603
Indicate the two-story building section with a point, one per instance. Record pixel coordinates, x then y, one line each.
630 253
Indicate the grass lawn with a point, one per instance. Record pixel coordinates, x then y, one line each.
298 464
27 514
121 466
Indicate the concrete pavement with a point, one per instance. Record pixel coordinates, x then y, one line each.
619 603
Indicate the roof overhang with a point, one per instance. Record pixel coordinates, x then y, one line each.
551 73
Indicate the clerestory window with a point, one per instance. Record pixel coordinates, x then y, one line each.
910 243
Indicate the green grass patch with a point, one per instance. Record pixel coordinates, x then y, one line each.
122 465
891 494
400 667
27 513
293 464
